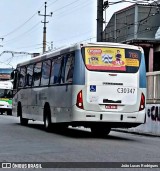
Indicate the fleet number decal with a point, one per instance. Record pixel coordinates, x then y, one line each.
126 90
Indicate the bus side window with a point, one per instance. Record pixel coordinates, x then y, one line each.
22 76
69 69
46 67
29 75
55 72
60 79
37 74
66 66
62 71
52 73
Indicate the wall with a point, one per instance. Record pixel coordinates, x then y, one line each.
152 125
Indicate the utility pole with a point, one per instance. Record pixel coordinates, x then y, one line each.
99 20
44 27
101 6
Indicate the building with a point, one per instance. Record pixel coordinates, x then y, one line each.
137 24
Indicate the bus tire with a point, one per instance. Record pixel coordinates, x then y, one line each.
100 131
47 118
9 112
23 121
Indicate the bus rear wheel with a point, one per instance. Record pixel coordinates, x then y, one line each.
100 131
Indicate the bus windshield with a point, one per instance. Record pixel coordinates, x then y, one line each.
111 59
6 70
5 93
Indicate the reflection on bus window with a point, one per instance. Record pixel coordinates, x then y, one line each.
37 74
45 72
62 70
5 93
55 74
22 77
63 65
29 75
69 70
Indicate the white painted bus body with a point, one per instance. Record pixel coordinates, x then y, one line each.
114 103
6 88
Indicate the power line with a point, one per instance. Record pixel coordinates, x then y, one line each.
21 35
23 24
13 52
61 15
31 29
52 2
17 28
25 47
77 7
132 1
20 26
66 6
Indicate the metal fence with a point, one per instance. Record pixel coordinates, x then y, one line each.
153 87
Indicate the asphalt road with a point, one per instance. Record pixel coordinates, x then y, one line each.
32 144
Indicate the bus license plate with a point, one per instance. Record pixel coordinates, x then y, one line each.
111 106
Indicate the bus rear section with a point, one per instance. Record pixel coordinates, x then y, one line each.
6 97
115 88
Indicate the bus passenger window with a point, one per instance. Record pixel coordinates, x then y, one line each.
22 77
52 73
55 72
62 73
37 74
45 72
29 75
69 70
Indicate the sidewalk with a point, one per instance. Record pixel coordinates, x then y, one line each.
135 132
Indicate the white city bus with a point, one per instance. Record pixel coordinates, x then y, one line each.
95 85
6 88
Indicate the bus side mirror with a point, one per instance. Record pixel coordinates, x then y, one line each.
14 73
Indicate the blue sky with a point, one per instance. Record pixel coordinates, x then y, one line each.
72 21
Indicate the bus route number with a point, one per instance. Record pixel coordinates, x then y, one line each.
126 90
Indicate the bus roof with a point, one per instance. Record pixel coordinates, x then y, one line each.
76 47
110 44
